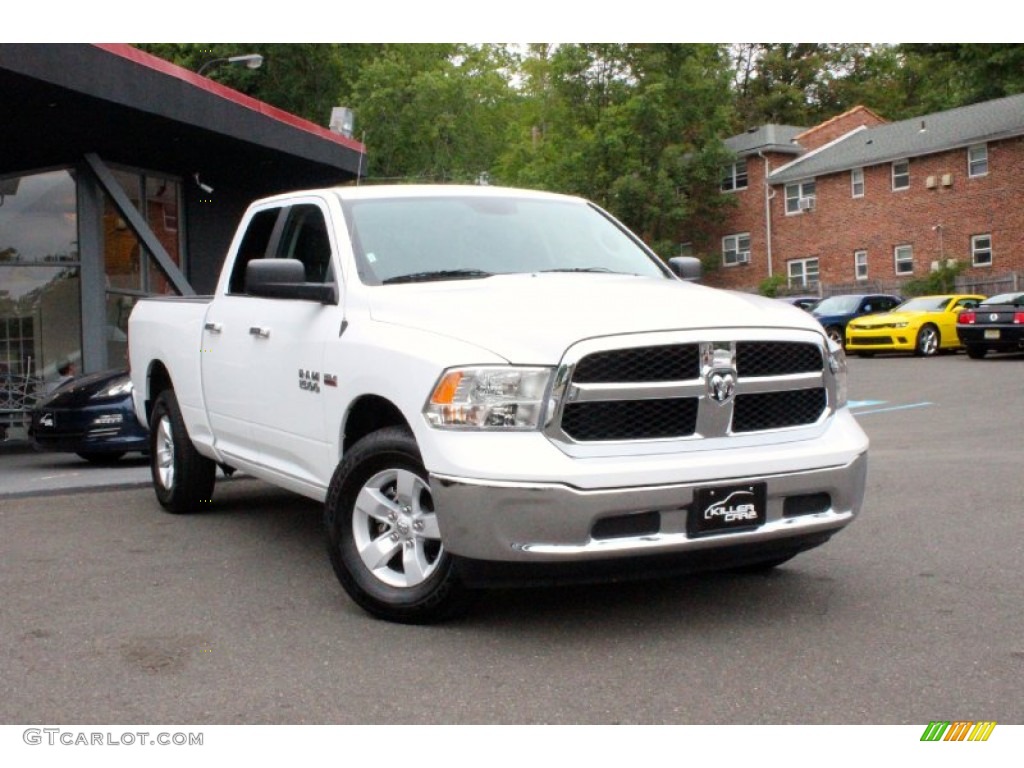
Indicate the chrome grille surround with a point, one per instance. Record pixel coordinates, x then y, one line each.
750 386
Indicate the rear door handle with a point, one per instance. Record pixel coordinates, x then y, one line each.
214 327
261 333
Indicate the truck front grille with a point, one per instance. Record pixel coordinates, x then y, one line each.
631 419
691 390
775 410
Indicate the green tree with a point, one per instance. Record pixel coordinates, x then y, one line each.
949 75
434 112
307 79
634 127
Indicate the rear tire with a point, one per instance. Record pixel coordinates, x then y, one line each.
382 533
182 477
976 352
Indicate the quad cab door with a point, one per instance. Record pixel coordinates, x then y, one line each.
262 358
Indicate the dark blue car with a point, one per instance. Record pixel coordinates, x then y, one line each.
836 311
92 416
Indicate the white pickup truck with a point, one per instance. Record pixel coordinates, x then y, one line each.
485 385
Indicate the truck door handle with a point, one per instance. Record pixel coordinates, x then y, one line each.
261 333
214 327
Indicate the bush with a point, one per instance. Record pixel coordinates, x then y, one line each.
942 280
770 286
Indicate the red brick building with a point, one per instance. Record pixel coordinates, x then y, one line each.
858 202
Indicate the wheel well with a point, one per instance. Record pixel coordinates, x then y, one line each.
158 380
368 414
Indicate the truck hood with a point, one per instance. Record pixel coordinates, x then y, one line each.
534 318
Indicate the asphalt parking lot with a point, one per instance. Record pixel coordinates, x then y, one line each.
114 612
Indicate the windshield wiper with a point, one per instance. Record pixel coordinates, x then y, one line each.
440 274
586 269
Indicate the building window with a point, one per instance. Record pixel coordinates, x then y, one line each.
736 249
903 256
800 196
860 265
977 160
803 273
734 176
901 174
686 249
857 182
981 250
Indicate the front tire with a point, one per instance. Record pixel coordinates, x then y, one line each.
182 477
382 533
928 341
835 333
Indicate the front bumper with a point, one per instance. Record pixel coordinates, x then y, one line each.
93 429
880 339
520 522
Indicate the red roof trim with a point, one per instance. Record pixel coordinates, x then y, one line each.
162 66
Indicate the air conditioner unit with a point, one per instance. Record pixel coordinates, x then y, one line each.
806 203
930 182
743 257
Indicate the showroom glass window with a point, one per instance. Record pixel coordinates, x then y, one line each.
40 296
131 272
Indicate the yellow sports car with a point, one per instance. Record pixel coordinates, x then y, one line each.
924 325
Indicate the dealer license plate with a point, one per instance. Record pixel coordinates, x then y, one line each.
730 508
991 333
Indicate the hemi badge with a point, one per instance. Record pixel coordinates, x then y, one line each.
330 380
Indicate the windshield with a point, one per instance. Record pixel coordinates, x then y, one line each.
924 304
447 238
838 305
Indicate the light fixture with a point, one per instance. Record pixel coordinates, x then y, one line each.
251 60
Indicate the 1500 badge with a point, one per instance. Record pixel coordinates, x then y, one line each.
309 380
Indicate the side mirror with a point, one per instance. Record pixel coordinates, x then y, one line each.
685 267
285 279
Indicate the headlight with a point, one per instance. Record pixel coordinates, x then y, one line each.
123 388
837 364
488 398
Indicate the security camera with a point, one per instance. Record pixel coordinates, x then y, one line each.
205 187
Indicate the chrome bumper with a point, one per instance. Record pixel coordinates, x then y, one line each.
545 522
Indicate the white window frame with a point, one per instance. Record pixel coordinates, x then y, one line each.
732 246
857 182
860 265
795 191
732 175
972 161
977 249
903 255
803 278
900 175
